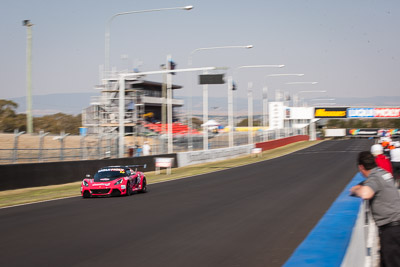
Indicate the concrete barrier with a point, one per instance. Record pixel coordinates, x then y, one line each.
196 157
339 238
14 176
281 142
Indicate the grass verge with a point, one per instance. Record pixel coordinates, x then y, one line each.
42 193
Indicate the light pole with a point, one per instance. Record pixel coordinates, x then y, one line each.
205 96
250 112
312 122
297 97
29 121
230 96
169 105
265 95
278 94
107 30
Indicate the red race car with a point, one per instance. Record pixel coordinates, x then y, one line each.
114 181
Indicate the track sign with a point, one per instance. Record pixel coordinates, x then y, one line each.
211 79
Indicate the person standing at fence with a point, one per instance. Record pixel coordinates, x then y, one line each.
146 148
131 150
380 159
395 159
384 200
138 150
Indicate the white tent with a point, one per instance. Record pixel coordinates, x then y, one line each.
211 123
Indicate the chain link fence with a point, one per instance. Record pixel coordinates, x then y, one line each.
24 148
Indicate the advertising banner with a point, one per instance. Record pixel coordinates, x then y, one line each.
330 112
373 132
394 132
164 162
362 132
299 113
360 112
387 112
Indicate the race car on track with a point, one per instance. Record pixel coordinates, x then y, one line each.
115 181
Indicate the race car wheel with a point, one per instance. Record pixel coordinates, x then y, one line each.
144 187
128 189
86 194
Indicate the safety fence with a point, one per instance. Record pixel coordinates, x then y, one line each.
22 148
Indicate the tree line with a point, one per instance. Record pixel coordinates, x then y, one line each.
54 124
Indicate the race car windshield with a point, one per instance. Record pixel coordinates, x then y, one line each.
103 176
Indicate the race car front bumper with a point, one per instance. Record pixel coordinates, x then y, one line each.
111 191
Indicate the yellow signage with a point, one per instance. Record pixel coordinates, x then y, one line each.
330 113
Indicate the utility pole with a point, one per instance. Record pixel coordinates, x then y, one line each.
169 104
164 102
29 123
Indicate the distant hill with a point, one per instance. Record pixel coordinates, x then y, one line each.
74 103
53 103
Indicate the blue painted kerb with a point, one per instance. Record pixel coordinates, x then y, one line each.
327 243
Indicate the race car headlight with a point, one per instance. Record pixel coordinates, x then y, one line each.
85 183
118 182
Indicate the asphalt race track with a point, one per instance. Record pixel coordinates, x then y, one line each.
254 215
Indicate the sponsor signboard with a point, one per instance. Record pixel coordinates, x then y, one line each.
360 112
387 112
373 132
299 113
164 162
330 112
394 132
373 112
362 132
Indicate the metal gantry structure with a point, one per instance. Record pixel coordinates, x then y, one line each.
102 117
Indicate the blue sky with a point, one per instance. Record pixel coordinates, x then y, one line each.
350 47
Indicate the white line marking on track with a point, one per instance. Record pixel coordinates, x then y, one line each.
36 202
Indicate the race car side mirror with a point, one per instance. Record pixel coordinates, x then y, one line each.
87 175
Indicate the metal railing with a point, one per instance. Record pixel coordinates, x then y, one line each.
371 238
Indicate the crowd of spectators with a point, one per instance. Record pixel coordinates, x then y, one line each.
380 167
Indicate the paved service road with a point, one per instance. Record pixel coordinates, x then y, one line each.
254 215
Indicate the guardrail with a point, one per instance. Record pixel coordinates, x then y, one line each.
196 157
345 236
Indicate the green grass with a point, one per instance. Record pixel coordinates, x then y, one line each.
35 194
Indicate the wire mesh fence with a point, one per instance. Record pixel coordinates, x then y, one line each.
21 148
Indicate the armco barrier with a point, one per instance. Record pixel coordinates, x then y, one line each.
196 157
16 176
329 242
281 142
